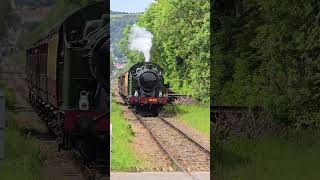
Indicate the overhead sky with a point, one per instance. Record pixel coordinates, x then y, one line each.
130 6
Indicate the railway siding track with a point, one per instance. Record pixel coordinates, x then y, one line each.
188 155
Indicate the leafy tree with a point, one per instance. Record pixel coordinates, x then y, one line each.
181 44
266 54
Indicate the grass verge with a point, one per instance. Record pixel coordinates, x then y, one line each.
196 116
294 157
23 156
123 158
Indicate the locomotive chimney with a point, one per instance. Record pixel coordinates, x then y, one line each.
148 66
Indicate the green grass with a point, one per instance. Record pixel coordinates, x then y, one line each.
294 158
123 157
196 116
23 157
9 96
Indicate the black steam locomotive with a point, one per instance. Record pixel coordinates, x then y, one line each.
142 86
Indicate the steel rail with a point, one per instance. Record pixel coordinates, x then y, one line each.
187 136
164 149
92 175
159 143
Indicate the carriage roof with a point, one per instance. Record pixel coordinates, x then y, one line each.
92 11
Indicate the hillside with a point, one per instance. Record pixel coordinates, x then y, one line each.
119 20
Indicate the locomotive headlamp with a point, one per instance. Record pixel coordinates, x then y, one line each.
84 101
160 93
136 93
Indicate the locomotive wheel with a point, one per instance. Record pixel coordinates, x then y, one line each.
155 114
156 111
137 109
84 153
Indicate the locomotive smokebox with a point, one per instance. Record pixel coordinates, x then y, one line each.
148 81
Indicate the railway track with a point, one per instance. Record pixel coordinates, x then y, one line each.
91 171
186 153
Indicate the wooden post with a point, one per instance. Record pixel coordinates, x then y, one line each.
2 124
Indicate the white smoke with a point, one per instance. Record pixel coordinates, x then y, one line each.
141 40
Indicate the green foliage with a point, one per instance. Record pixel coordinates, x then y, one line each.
118 22
269 158
33 3
123 158
265 53
180 44
57 13
23 157
5 17
9 96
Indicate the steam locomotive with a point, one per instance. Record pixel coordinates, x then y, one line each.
143 88
67 73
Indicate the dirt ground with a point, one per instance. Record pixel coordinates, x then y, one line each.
58 165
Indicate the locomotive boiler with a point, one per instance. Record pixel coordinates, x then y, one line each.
142 87
67 73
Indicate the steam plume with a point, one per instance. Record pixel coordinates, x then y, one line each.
141 40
